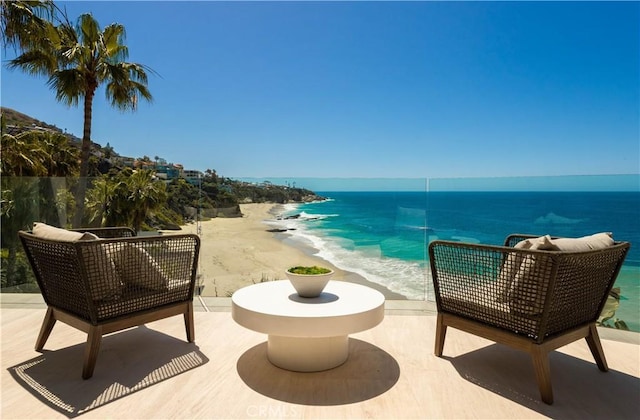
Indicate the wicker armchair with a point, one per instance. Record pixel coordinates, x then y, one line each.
115 282
530 299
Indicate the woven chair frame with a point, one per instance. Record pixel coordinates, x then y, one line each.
106 285
548 296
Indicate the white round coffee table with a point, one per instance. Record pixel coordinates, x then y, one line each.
307 334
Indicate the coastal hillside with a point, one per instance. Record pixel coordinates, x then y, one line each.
187 190
14 122
11 117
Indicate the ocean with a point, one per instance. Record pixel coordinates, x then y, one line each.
383 236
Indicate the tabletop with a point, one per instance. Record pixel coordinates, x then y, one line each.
275 308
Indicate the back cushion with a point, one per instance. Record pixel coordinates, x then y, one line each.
586 243
44 231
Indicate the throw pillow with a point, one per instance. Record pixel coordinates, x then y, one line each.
104 280
88 236
137 267
525 296
511 266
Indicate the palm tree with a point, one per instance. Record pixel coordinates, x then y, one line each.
78 60
18 210
101 208
145 195
125 199
62 158
24 22
61 161
22 155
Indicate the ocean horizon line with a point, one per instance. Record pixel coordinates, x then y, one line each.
563 183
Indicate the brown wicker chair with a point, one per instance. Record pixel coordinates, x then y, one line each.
113 283
556 300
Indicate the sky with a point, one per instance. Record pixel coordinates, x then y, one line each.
370 89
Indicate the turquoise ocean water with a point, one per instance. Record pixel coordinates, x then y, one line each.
383 236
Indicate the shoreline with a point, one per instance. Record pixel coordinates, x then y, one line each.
238 252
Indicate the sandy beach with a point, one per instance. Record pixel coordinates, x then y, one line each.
237 252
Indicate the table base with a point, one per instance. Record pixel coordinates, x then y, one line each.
307 354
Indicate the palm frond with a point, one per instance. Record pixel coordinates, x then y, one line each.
70 85
34 62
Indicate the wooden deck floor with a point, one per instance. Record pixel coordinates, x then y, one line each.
152 372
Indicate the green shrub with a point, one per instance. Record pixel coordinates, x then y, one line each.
309 270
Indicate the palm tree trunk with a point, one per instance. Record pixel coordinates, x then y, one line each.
85 153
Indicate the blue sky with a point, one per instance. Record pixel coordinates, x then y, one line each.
371 89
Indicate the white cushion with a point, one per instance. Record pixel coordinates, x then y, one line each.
586 243
44 231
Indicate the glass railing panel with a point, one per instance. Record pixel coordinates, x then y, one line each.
486 210
375 231
26 200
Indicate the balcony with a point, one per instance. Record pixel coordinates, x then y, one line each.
152 372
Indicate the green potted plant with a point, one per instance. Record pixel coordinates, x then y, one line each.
309 281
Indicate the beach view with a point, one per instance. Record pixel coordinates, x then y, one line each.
381 238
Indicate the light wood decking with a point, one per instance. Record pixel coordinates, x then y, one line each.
152 372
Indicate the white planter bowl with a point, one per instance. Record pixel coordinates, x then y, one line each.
309 285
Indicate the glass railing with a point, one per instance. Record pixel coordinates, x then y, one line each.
373 231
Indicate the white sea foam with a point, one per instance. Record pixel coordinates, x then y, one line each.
306 216
410 279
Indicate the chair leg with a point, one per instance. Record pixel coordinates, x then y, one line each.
45 330
593 340
543 372
189 323
441 332
94 338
